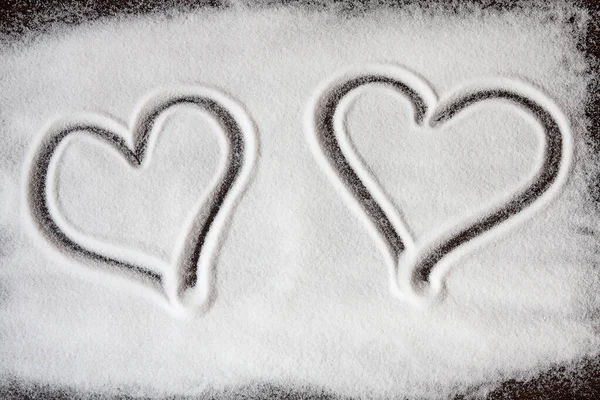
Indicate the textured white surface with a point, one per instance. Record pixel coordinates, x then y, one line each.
302 289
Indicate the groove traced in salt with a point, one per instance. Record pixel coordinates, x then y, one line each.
417 269
189 282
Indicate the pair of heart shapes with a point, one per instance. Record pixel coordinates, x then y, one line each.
417 268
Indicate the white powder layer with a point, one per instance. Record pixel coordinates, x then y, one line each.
303 294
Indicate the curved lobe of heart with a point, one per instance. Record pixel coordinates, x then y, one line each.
415 264
547 173
199 244
324 122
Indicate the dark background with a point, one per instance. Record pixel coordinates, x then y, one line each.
22 21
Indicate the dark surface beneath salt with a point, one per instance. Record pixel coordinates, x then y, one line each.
576 381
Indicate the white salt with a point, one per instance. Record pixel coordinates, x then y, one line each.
302 288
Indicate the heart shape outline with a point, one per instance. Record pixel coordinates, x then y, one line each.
188 284
417 269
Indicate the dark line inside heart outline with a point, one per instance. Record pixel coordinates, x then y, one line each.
38 174
546 176
326 135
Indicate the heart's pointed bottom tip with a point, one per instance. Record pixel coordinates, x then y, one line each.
184 310
420 297
187 302
417 292
412 285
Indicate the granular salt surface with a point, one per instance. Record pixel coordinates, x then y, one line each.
302 290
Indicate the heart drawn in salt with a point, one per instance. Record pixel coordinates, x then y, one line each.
418 268
187 283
